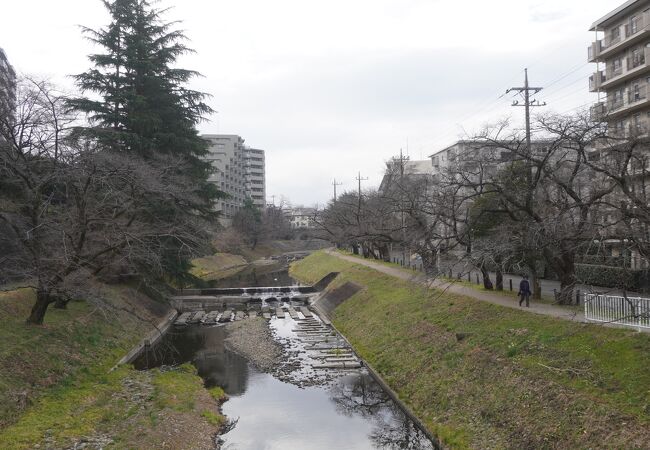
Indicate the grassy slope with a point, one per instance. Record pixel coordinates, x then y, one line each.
471 284
216 267
55 384
513 380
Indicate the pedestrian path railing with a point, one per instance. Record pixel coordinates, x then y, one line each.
630 311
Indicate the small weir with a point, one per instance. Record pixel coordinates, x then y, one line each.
321 398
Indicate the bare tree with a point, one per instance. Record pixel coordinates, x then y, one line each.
73 209
549 187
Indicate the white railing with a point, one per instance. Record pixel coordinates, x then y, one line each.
630 311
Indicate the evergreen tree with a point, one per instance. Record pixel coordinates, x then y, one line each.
141 106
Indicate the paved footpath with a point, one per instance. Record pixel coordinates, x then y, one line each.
456 288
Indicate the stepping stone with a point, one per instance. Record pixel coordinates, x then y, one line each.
279 312
239 315
306 312
252 313
341 359
266 315
197 317
226 316
293 314
338 365
183 318
331 355
211 317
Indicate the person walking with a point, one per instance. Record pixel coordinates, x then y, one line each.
524 291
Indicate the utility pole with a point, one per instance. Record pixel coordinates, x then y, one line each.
528 103
401 206
359 179
336 184
273 199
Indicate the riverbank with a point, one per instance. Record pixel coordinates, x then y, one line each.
481 375
57 389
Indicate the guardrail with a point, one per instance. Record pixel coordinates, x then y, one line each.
629 311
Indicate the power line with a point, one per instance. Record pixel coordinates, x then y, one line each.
528 103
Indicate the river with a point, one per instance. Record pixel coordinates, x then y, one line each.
337 409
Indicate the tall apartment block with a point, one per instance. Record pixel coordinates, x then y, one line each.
239 172
7 86
255 176
621 52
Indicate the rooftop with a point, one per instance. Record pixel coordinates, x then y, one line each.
617 13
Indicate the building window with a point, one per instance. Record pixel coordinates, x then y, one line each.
634 24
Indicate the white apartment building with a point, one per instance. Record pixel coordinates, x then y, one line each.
239 172
621 52
255 176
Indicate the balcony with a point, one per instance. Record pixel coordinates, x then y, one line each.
632 101
596 81
598 111
637 95
631 33
593 51
634 66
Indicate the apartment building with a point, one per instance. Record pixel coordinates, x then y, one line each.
411 170
621 53
239 172
255 176
7 86
479 157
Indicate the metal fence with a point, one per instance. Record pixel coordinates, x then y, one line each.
630 311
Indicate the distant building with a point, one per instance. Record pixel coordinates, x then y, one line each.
396 169
7 86
255 176
301 218
622 56
239 172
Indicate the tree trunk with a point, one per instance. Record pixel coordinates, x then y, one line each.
567 283
536 285
487 283
499 278
39 309
61 303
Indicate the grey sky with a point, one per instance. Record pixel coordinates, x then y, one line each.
332 87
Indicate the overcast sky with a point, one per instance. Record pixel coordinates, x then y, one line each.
330 88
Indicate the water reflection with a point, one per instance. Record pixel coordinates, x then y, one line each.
204 347
393 429
352 412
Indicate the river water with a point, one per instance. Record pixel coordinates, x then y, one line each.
348 410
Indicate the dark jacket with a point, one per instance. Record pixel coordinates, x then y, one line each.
524 287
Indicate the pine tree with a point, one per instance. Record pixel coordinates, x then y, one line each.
146 109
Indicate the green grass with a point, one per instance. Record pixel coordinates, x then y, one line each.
476 372
216 267
34 359
56 385
214 418
218 394
177 389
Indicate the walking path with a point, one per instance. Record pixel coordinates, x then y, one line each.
457 288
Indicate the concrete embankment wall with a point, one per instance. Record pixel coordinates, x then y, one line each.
330 299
